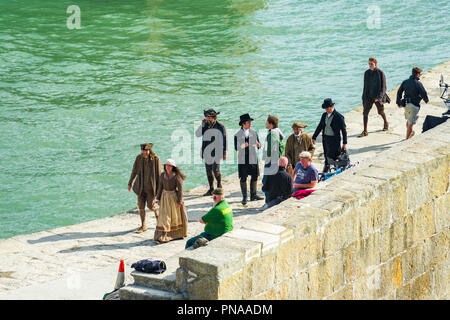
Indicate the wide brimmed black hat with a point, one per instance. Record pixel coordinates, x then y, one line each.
210 113
327 103
245 117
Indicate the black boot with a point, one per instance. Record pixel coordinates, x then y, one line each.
211 186
244 192
253 195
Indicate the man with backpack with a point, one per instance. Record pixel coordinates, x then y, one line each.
414 93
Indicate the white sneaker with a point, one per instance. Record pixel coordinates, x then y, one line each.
264 207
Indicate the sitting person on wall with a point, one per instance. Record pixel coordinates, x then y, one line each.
278 186
305 174
218 221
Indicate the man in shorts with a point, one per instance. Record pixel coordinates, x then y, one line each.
414 92
144 181
374 92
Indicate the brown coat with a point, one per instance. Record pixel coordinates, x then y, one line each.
137 174
172 183
293 148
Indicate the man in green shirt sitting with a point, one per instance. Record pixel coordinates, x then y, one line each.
218 220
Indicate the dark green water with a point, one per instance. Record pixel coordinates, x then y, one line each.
76 104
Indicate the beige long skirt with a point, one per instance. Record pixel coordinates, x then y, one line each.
172 221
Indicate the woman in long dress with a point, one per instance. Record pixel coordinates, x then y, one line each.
172 219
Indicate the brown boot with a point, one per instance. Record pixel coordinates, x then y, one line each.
141 229
363 134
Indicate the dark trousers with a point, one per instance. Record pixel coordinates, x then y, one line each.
275 201
367 105
205 235
331 147
246 170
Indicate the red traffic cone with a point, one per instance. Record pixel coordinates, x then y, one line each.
120 281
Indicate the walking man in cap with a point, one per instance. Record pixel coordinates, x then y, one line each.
414 93
214 147
145 175
332 123
374 92
297 142
218 220
246 141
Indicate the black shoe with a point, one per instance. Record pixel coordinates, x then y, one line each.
244 200
255 197
208 193
326 168
200 242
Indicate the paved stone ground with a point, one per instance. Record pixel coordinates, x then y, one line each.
81 261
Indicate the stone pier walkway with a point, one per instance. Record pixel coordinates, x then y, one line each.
81 261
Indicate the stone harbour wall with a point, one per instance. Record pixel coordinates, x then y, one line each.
379 230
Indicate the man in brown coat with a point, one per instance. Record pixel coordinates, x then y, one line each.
297 142
145 174
374 92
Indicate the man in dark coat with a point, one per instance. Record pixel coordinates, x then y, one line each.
332 123
374 92
278 186
145 175
214 147
246 141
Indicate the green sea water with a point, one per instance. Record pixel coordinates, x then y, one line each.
76 103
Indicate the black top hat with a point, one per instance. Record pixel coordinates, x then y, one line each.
245 117
327 103
210 113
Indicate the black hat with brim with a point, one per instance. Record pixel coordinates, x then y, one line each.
146 146
244 118
210 113
327 103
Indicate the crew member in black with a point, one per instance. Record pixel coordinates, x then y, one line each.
278 186
414 93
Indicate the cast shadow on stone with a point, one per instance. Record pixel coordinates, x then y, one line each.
117 246
79 235
378 148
